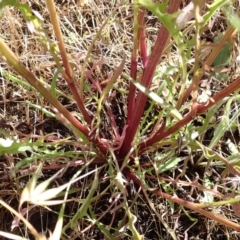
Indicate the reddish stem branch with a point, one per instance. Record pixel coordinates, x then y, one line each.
139 41
219 96
142 37
133 70
187 204
147 77
202 108
67 74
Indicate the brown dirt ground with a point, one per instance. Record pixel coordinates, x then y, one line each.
17 118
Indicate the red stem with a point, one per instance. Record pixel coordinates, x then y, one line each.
185 203
77 97
133 74
202 108
141 41
147 77
142 37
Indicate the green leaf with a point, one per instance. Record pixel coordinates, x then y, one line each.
168 165
231 15
54 81
224 124
160 10
24 8
188 215
152 95
131 220
86 205
234 20
217 4
223 58
12 146
5 3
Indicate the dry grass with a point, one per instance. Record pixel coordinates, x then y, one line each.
79 23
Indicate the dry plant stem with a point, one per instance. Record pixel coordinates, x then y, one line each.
229 167
219 96
194 184
146 81
160 217
196 69
90 48
13 61
34 232
133 70
187 14
192 206
67 74
186 204
228 35
202 108
103 97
